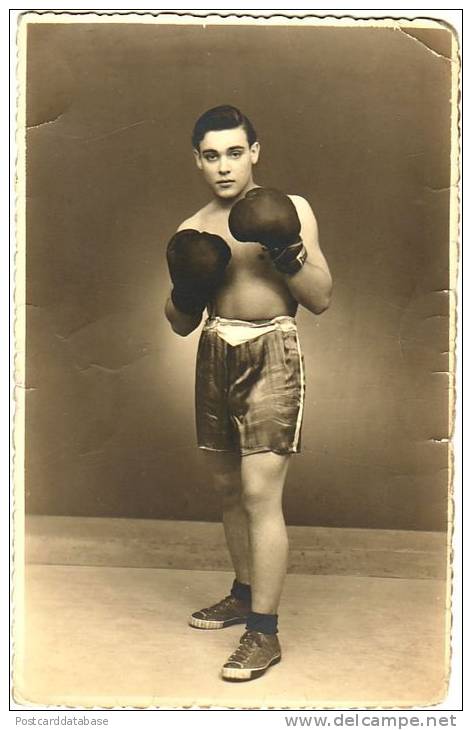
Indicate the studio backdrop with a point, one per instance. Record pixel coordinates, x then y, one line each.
357 120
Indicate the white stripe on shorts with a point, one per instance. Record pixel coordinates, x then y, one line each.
302 397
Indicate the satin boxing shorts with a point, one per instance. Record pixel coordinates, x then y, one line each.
249 386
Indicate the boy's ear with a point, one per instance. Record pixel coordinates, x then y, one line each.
198 159
255 151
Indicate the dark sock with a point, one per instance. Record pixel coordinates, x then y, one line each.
266 623
241 591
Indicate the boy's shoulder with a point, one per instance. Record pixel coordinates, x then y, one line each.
304 209
201 219
197 220
299 201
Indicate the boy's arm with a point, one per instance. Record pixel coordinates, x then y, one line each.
286 227
312 285
181 323
197 261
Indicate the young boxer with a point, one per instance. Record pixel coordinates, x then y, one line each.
250 257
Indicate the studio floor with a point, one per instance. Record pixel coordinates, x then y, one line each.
118 636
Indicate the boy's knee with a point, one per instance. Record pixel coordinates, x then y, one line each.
259 497
226 486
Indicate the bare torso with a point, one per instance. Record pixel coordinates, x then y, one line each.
252 288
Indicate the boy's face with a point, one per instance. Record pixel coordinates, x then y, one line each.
226 161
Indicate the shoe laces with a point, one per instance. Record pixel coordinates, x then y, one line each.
224 603
248 641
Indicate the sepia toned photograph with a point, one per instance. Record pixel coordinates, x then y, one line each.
235 361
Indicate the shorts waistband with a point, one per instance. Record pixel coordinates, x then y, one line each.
282 320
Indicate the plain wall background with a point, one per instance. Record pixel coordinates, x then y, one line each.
357 121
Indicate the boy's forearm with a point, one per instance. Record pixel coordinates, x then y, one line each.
311 287
182 324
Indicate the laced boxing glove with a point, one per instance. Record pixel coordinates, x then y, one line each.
269 217
197 262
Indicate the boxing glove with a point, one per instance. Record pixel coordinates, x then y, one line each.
269 217
197 262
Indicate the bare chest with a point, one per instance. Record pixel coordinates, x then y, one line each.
247 259
252 287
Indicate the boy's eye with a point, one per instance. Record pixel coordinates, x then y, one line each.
210 158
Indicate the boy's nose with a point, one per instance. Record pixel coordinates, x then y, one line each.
224 166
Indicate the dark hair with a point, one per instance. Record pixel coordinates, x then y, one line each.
222 117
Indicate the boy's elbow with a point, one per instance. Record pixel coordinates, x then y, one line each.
323 304
181 324
323 299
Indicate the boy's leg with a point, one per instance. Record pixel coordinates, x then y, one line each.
226 472
225 468
263 477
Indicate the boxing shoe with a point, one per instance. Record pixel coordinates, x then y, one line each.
225 613
253 657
